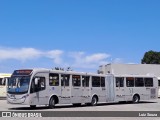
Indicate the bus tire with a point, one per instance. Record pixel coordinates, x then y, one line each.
136 99
33 106
94 101
52 103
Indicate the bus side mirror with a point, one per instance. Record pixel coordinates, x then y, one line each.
36 81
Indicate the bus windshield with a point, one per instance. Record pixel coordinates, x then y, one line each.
18 84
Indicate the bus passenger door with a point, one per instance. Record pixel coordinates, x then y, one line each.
76 92
65 89
86 91
120 90
39 91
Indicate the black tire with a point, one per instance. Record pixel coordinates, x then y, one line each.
52 103
135 99
94 101
33 106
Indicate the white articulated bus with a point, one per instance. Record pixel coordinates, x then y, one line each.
3 84
50 87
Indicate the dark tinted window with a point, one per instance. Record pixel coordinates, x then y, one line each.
65 80
2 82
85 81
130 82
139 82
95 81
53 79
159 83
149 82
76 80
40 86
42 83
119 82
102 82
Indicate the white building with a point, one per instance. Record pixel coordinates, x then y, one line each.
136 69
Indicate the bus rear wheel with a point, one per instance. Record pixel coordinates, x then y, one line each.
135 99
52 103
94 101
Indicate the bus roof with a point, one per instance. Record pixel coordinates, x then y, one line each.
21 71
73 73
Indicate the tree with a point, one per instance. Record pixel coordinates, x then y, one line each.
151 57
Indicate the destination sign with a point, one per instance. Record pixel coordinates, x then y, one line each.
22 72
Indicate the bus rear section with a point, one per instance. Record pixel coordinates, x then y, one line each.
135 88
3 84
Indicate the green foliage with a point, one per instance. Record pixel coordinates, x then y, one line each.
151 57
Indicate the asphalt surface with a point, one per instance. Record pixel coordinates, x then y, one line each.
153 105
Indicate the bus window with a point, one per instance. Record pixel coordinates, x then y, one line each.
159 83
130 82
102 82
53 79
76 80
41 83
2 82
95 81
119 82
139 82
65 80
149 82
40 86
85 81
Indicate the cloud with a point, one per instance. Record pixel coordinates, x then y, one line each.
55 55
82 60
96 57
24 54
21 54
76 60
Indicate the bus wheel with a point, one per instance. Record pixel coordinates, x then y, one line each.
32 106
94 101
135 99
52 103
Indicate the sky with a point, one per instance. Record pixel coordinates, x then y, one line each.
81 34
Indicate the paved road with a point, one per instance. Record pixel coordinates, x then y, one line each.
153 105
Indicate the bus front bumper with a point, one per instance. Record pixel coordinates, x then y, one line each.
17 99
